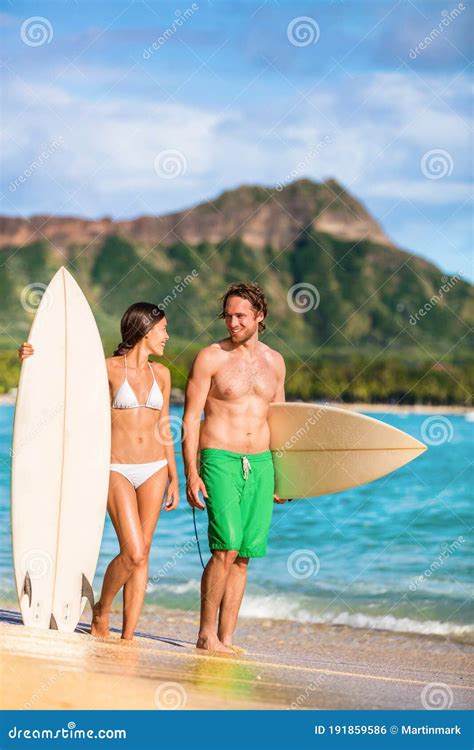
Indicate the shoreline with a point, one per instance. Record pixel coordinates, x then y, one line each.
178 400
286 666
404 409
153 613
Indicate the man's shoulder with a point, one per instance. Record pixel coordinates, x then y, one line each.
214 350
274 356
209 356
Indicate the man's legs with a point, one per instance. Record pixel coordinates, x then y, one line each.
213 586
239 504
221 472
232 599
255 510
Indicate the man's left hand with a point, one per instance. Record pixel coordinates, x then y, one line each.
279 500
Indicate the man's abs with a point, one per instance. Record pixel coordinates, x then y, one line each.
235 426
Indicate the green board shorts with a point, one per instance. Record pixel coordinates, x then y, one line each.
240 499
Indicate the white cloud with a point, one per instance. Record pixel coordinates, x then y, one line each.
384 124
436 192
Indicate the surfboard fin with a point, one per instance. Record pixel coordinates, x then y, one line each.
53 625
87 591
27 589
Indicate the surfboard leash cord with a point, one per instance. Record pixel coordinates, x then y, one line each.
197 538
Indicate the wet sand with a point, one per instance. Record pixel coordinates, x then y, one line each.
287 666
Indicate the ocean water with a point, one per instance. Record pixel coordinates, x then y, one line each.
395 554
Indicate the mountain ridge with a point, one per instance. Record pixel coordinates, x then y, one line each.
368 290
258 215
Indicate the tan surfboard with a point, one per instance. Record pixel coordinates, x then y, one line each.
319 449
60 459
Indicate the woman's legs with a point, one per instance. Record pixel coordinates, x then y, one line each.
150 496
123 511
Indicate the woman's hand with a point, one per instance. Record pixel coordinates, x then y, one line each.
172 495
25 350
279 500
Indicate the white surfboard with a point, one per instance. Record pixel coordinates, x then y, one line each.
60 459
319 449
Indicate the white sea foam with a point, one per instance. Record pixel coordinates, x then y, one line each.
180 588
284 608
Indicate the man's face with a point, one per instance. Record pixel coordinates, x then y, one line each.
241 319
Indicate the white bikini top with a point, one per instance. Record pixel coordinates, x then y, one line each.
125 397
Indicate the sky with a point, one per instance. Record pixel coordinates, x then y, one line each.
123 109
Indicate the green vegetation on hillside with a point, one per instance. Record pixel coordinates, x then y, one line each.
355 339
389 380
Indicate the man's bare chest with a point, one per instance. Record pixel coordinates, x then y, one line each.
238 380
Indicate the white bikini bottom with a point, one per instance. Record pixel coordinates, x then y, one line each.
138 473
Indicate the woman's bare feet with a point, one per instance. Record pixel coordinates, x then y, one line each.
212 643
100 621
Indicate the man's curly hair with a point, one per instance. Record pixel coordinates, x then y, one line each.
251 292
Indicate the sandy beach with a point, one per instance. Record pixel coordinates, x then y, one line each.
287 665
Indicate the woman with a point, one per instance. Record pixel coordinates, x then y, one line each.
142 459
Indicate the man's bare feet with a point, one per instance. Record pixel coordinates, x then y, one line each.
100 621
212 643
236 649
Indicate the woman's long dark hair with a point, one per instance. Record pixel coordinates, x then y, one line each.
136 321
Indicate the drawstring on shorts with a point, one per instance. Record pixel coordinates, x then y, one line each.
246 467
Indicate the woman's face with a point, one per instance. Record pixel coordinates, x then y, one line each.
157 337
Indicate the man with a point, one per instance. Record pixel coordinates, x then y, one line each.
233 381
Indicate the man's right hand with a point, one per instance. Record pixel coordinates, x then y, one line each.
25 350
194 485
